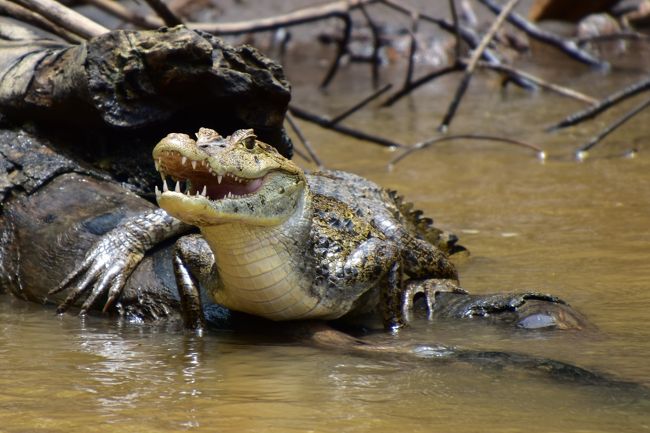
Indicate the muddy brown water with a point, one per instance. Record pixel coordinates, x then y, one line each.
578 230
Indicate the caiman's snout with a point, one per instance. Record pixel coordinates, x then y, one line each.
219 179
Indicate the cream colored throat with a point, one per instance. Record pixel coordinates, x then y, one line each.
257 269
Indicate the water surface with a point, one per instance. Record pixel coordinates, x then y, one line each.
578 230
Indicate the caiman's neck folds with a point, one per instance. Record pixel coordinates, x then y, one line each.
257 266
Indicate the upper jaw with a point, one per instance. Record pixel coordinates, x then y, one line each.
195 172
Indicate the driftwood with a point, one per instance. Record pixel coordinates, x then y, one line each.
484 54
65 17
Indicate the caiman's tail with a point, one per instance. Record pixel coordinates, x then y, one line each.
322 335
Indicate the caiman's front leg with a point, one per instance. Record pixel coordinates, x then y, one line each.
115 255
430 272
193 265
376 263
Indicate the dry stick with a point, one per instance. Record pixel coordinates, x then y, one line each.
564 91
471 66
301 16
65 17
360 105
23 14
568 47
454 18
413 47
581 152
342 49
603 105
468 35
305 142
376 45
624 35
327 124
424 144
164 12
340 10
420 81
125 14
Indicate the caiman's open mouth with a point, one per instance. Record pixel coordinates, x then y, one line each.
197 178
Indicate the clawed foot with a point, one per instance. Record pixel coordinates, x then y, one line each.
429 288
104 270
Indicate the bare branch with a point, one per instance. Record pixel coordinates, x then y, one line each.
304 141
564 91
23 14
376 46
65 17
327 124
118 10
342 49
454 17
581 153
413 46
301 16
471 65
568 47
361 104
468 35
622 35
421 81
164 12
603 105
427 143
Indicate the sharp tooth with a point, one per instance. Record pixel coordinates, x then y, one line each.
178 187
162 176
158 193
193 165
204 193
183 160
156 163
197 193
229 194
165 188
219 177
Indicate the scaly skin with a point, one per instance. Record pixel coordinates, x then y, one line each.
289 245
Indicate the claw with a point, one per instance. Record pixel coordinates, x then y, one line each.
429 288
114 292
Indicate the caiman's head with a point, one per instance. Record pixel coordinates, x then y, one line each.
232 179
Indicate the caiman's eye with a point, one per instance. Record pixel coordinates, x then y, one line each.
249 142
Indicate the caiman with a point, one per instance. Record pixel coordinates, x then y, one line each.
283 244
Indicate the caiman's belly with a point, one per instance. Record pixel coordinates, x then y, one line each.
261 279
